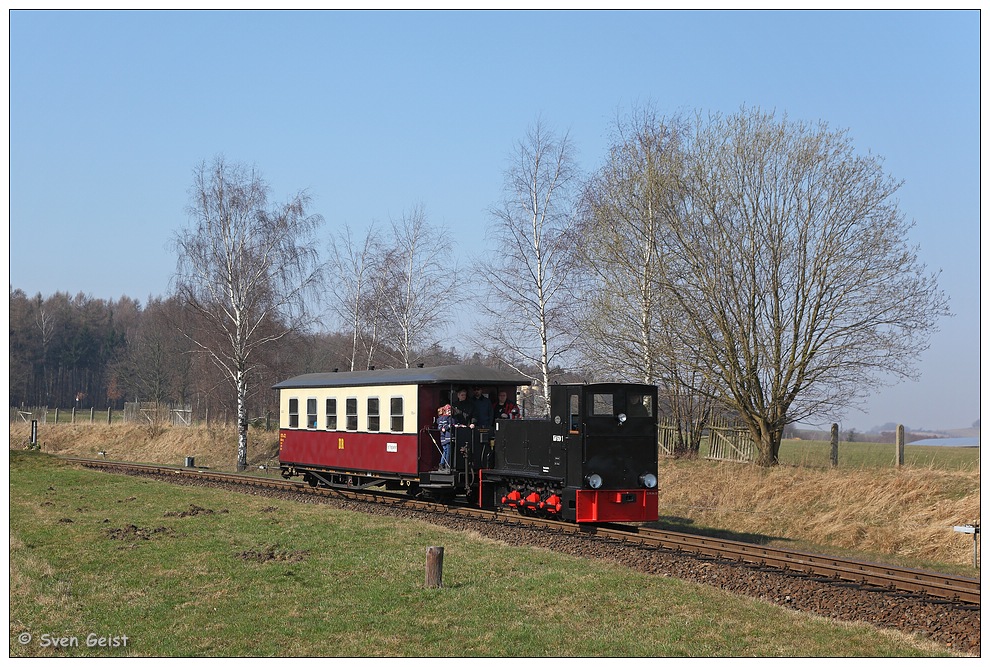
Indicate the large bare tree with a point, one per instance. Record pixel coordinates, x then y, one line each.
796 286
528 265
245 266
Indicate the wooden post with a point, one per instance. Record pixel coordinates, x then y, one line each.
92 415
109 413
434 567
900 445
835 445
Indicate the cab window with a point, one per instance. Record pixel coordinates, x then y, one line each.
639 405
601 404
574 412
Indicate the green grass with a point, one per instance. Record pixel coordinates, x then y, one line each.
817 454
249 576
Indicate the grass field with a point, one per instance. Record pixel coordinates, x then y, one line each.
184 571
865 507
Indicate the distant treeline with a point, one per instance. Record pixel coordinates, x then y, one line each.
85 352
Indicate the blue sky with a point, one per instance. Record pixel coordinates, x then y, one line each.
376 112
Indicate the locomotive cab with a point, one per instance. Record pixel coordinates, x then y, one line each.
593 460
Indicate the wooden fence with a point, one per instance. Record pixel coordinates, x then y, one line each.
726 441
730 442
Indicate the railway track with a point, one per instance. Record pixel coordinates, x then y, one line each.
879 577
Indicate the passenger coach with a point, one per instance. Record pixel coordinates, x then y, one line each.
364 427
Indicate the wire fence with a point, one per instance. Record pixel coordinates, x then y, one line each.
162 414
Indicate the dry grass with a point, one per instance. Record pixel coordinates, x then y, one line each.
214 447
907 513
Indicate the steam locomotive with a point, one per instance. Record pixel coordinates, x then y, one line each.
593 460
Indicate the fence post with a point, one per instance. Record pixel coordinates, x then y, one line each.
835 445
900 445
56 416
92 415
109 412
434 567
73 419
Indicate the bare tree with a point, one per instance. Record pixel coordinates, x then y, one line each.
357 291
418 270
625 316
244 268
795 284
528 268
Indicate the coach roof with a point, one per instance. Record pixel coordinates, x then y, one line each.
461 374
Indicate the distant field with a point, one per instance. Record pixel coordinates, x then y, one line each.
817 453
188 571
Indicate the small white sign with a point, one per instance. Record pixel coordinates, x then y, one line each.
392 447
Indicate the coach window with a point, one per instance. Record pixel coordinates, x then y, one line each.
293 413
601 404
351 408
374 420
331 414
310 413
396 410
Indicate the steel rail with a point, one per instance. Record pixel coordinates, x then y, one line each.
828 568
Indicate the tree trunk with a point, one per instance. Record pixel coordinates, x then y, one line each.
242 421
767 440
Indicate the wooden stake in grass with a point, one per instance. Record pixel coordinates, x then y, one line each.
899 461
434 567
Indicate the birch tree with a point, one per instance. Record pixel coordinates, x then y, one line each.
245 267
419 270
358 289
625 316
530 259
